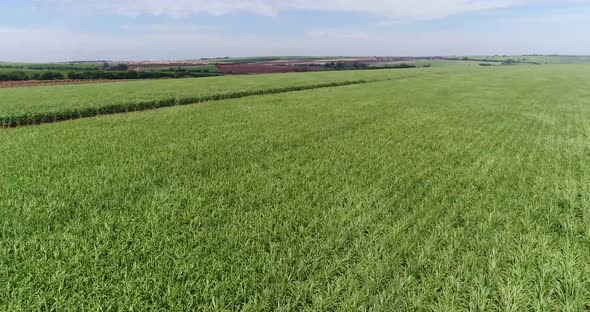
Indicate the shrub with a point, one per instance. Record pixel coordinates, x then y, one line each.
51 76
13 76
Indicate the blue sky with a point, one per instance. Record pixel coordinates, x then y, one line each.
61 30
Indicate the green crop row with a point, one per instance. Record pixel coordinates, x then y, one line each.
53 99
465 191
69 114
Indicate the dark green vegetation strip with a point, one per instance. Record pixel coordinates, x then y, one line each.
50 117
468 191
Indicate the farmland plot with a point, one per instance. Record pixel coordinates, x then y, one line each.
38 105
459 191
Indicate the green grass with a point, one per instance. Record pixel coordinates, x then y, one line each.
29 105
460 190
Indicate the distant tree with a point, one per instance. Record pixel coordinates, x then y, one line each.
404 65
49 75
13 76
120 67
509 62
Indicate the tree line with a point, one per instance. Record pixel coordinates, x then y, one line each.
95 75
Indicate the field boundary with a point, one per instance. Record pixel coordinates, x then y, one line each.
66 82
29 119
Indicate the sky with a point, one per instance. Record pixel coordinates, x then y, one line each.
66 30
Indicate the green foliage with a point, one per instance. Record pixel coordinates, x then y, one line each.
13 76
51 67
117 67
17 72
504 60
21 105
38 118
537 59
30 75
133 75
49 75
452 190
404 65
191 68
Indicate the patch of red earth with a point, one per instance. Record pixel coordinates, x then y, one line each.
37 83
260 69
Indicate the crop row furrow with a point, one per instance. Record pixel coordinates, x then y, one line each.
63 115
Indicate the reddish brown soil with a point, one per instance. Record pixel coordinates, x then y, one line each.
259 69
36 83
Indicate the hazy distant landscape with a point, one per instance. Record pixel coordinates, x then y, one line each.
76 72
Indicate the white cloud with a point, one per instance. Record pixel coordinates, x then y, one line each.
168 28
157 42
561 31
34 44
390 9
